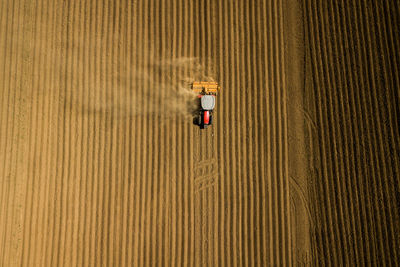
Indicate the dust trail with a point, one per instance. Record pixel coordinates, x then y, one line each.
168 91
161 88
123 83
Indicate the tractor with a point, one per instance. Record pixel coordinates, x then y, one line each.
206 93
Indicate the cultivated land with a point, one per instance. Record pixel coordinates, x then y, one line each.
353 89
100 164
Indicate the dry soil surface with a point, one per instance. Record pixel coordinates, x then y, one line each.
100 164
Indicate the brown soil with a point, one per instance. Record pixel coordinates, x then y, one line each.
353 84
100 164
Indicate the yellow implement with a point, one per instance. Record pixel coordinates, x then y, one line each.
206 88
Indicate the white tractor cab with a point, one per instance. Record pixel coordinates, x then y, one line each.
207 93
207 103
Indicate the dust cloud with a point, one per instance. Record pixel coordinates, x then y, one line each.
166 87
158 87
94 77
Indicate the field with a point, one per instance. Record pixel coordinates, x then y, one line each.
353 84
100 164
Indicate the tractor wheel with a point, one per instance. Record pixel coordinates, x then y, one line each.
197 120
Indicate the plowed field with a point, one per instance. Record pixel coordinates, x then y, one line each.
100 164
353 81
